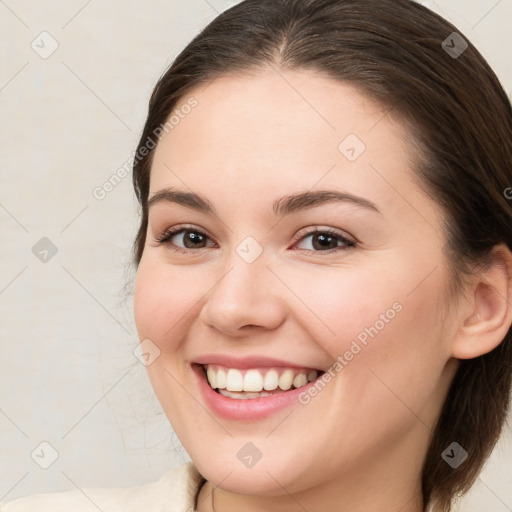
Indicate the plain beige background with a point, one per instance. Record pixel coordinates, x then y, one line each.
70 120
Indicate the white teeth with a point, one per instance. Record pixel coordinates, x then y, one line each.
300 380
256 381
220 381
243 396
234 380
253 381
271 380
212 377
286 380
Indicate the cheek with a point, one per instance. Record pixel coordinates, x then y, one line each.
163 300
376 320
394 360
339 305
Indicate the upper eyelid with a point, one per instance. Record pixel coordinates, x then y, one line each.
300 235
319 229
308 230
175 230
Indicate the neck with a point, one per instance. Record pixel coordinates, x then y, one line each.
387 481
222 501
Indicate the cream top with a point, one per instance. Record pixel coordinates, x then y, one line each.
176 491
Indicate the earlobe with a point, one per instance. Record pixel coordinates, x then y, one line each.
488 317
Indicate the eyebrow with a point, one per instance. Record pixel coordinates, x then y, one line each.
282 207
190 199
296 202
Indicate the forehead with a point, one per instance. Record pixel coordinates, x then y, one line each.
282 131
297 109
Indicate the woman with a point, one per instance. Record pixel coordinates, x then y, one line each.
324 263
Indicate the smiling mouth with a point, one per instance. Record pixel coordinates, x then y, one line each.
257 382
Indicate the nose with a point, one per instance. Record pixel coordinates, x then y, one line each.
245 298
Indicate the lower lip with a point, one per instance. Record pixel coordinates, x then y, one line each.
245 409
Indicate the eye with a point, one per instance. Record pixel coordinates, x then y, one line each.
185 239
324 240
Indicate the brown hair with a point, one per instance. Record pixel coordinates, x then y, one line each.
461 123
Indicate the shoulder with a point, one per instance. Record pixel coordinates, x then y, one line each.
178 487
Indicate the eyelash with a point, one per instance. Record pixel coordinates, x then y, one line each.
165 237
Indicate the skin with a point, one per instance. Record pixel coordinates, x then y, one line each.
360 444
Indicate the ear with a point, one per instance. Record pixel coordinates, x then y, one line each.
487 316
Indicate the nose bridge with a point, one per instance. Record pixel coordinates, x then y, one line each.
245 278
243 295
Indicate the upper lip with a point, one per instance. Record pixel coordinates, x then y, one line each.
248 362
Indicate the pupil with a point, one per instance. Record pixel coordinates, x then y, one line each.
325 241
193 239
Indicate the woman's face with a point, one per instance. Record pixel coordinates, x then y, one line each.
347 278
